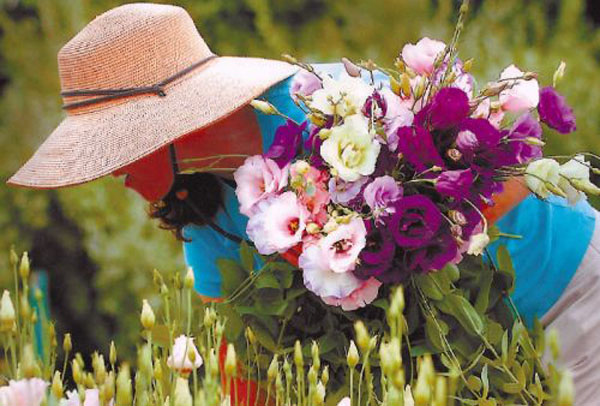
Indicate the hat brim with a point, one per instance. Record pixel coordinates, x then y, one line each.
89 145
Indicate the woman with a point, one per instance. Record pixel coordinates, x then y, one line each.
146 98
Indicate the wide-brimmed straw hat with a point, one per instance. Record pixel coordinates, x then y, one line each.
134 80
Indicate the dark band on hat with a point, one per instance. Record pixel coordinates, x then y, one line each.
112 94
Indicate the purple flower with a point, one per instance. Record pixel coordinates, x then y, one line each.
525 127
312 145
377 256
381 194
342 192
449 107
416 144
286 143
479 142
377 104
415 221
555 111
442 250
456 183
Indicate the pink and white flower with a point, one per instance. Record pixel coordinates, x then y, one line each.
522 94
342 192
360 297
278 223
342 246
24 392
381 194
180 359
420 57
310 185
92 398
258 179
304 83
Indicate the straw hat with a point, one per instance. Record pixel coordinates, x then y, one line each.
150 79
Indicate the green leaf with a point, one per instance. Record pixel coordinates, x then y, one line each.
429 287
452 271
434 333
483 295
505 266
460 308
266 280
234 323
247 256
263 336
485 381
232 275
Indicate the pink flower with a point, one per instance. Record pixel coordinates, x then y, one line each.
180 359
343 192
522 95
398 115
257 179
278 223
381 194
342 246
484 110
320 279
304 83
25 392
92 398
360 297
421 56
310 185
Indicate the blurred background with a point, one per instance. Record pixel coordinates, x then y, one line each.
95 241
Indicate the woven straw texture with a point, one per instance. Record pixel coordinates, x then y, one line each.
133 46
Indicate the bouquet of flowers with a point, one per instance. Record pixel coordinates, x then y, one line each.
392 178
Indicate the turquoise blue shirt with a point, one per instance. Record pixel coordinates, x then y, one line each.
555 235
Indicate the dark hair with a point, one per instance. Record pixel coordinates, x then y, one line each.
192 199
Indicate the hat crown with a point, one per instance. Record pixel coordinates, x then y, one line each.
134 45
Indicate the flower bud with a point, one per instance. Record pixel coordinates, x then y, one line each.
263 106
421 86
566 390
317 119
112 353
313 376
351 68
395 86
362 336
454 154
457 217
422 392
124 391
230 361
468 65
147 318
29 365
250 336
188 281
182 395
67 343
325 375
145 362
25 308
352 358
13 258
298 357
441 392
324 133
559 73
289 58
273 368
319 395
405 85
554 343
314 351
24 267
7 312
57 386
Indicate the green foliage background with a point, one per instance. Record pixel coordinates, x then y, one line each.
96 241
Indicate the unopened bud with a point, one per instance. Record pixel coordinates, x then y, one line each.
405 85
77 372
395 86
566 390
24 267
289 58
399 64
182 395
29 364
13 258
441 392
559 73
352 358
454 154
273 368
188 281
530 75
457 217
317 119
67 343
534 141
158 370
7 312
468 65
263 106
250 336
124 391
362 336
398 302
57 386
325 375
298 358
554 343
112 353
421 86
147 317
25 308
319 395
351 68
230 361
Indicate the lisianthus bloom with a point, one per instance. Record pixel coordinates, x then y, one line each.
437 253
377 256
304 83
343 97
398 114
312 146
381 194
351 149
421 56
91 398
278 223
521 94
311 187
180 359
24 392
542 175
287 141
257 179
484 110
360 297
342 246
576 172
456 183
555 111
342 192
520 148
416 145
449 107
320 279
415 221
479 143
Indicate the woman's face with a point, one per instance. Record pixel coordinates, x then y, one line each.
219 148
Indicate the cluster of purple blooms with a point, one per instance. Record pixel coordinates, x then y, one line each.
392 181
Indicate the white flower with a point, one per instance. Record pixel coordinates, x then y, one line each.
522 94
542 176
343 97
180 359
408 396
477 243
351 149
24 392
344 402
575 176
278 223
